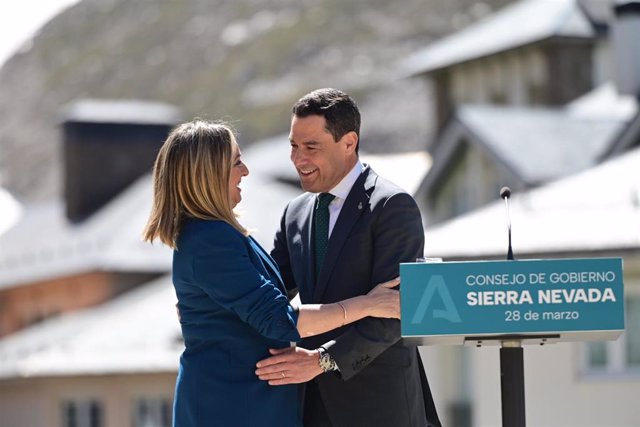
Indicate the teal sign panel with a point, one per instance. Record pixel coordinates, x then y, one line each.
512 297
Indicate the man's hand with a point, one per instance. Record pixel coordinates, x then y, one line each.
289 366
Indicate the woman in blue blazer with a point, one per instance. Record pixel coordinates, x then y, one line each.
231 299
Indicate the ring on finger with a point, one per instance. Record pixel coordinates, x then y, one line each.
283 375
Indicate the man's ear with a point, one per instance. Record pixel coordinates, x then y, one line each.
350 140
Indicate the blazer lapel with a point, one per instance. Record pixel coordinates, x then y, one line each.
268 264
356 203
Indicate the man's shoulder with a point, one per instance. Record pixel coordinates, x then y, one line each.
382 189
300 203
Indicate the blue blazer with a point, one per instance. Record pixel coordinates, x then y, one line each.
233 308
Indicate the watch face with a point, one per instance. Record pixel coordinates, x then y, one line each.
326 362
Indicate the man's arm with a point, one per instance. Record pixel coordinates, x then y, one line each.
398 237
280 254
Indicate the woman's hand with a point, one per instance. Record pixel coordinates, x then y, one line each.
383 301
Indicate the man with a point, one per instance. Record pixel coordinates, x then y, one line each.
350 231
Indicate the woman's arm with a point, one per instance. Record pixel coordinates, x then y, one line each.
381 301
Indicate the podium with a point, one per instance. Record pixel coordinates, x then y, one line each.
510 303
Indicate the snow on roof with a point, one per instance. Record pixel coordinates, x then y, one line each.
11 210
135 333
121 111
516 25
591 211
541 144
604 102
629 138
44 245
138 331
407 170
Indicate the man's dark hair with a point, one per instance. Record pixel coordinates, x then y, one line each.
339 110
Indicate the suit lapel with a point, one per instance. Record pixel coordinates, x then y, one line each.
306 233
355 204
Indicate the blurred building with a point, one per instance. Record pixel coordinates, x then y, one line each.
74 283
543 97
11 210
107 355
594 213
85 249
525 96
528 98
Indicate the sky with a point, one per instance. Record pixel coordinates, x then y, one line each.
20 21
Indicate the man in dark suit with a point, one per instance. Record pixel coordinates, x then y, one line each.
348 232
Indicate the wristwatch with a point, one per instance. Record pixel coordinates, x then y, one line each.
327 364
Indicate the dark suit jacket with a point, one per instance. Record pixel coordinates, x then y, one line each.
233 308
379 227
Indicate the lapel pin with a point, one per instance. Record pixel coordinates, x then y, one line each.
360 206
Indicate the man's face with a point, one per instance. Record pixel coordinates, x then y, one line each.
320 161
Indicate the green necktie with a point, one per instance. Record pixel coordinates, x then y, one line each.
322 228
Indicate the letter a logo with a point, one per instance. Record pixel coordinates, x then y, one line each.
436 284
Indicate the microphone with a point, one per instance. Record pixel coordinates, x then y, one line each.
505 193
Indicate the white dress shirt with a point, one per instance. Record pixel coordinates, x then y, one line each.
341 191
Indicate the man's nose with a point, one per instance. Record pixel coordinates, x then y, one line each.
297 157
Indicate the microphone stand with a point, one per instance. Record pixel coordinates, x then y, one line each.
505 193
511 359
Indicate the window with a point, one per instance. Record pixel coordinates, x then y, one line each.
152 412
623 355
82 413
633 333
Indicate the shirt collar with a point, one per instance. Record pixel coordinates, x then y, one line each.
344 186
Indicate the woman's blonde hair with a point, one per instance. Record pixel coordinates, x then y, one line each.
191 179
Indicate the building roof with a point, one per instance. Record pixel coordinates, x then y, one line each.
597 210
137 332
516 25
11 210
604 103
535 144
43 245
540 144
121 111
629 138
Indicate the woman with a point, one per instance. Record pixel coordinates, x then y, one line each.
231 299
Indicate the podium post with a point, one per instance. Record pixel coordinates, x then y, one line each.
512 383
511 358
512 303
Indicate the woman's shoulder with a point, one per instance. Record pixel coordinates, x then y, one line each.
208 231
208 224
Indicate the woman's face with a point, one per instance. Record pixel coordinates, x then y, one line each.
238 170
